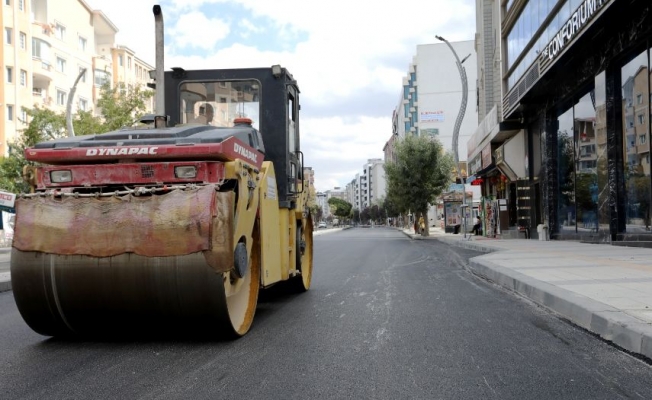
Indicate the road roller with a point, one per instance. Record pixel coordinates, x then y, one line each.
174 224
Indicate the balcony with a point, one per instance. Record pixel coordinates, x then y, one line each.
643 148
42 72
42 101
41 30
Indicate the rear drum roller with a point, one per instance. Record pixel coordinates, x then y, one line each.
130 295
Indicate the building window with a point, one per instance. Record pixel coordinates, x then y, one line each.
128 62
61 65
10 75
639 99
102 77
21 5
8 35
61 97
22 39
23 116
82 43
7 2
41 50
23 77
120 60
83 78
10 112
641 139
83 104
60 31
641 119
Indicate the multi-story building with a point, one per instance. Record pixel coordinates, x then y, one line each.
375 174
46 44
389 149
429 105
309 175
584 105
130 70
359 183
350 191
322 202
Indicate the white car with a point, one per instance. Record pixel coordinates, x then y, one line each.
322 225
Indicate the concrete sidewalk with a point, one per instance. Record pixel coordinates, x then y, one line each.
602 288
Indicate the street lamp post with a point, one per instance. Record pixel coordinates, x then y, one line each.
458 124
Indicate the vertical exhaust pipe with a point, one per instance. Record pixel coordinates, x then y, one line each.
159 112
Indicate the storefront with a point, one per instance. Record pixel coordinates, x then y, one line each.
485 166
585 102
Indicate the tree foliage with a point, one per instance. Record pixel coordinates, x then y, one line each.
421 172
339 207
121 105
118 108
44 125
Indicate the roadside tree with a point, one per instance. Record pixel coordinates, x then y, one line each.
340 208
421 172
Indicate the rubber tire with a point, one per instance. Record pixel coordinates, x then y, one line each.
301 283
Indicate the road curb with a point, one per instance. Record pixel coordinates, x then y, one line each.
609 323
5 286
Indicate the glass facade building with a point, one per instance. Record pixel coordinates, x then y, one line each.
581 87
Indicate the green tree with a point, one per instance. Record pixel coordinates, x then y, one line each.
355 215
85 123
365 215
339 207
391 210
316 212
121 105
44 125
421 172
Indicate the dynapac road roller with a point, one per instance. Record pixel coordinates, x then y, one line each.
174 225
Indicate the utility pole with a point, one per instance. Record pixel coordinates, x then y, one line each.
458 124
71 97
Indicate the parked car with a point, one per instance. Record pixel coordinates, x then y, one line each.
322 225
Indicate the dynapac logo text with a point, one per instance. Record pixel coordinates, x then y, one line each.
122 151
246 153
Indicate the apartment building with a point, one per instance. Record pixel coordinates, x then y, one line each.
46 44
309 175
432 94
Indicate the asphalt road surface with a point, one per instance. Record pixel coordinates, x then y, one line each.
387 318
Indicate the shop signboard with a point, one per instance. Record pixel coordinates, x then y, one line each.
7 199
431 116
453 213
572 27
486 156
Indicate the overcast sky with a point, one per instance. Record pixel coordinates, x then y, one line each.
349 58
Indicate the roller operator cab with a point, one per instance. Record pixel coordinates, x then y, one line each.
168 228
